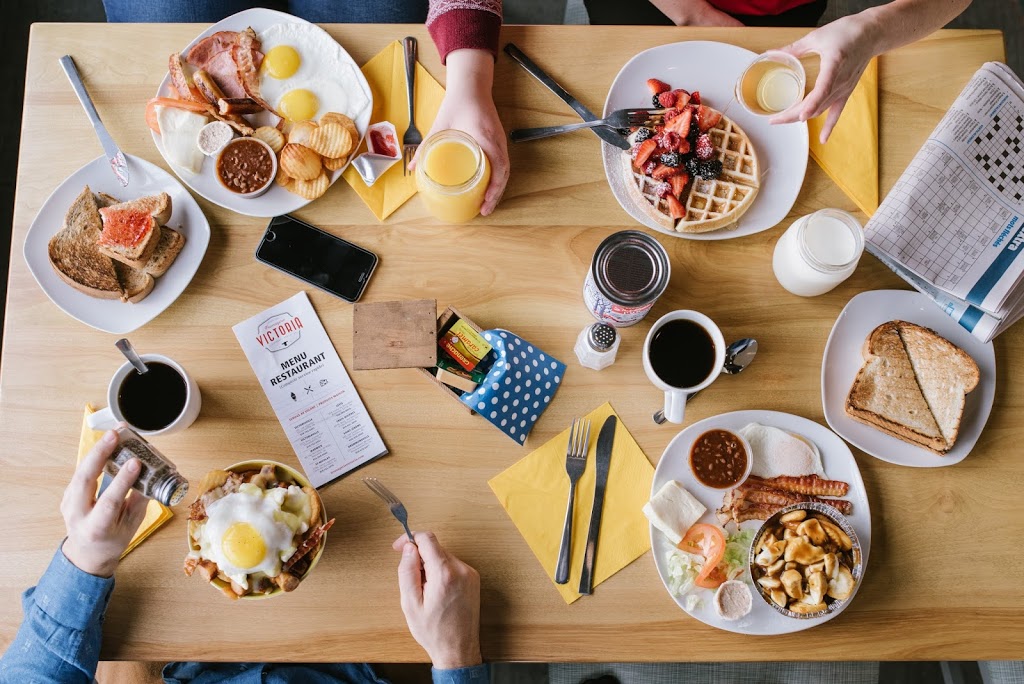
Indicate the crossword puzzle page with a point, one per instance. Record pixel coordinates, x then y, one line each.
953 224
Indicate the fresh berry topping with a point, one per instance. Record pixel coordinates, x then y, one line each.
707 118
654 101
678 183
671 159
662 172
682 97
642 134
705 150
707 169
663 189
667 140
644 152
675 208
680 125
690 164
658 87
667 100
649 167
695 97
683 147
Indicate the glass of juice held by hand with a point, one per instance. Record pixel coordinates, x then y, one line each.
773 82
452 176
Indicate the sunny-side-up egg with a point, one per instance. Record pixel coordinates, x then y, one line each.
253 530
305 74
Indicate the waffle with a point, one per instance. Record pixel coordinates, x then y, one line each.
710 204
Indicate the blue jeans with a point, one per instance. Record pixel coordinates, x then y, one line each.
317 11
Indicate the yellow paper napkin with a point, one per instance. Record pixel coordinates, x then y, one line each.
534 492
156 513
385 73
850 157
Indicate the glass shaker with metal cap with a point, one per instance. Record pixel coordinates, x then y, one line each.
158 478
597 345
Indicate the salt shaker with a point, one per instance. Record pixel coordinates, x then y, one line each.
596 346
158 477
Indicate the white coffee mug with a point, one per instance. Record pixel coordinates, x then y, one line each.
107 418
675 397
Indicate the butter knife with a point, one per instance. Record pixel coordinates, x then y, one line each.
605 442
606 134
118 164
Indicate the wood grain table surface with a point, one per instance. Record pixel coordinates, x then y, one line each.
944 577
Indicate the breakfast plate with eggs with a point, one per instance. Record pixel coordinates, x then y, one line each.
255 530
261 113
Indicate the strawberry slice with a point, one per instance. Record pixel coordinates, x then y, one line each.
682 97
662 172
644 152
683 147
695 97
707 118
680 124
667 100
678 183
658 87
675 208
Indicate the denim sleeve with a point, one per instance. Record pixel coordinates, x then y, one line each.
59 638
477 674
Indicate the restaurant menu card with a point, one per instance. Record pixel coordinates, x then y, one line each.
310 390
953 225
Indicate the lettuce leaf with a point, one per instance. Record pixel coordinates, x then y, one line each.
683 569
737 552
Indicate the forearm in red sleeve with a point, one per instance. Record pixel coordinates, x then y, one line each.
464 24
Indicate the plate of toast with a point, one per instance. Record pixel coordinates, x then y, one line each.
116 257
902 381
703 168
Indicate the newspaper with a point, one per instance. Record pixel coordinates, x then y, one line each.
310 390
953 225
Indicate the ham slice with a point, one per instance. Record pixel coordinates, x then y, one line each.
216 55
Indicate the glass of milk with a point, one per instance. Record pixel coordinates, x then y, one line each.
818 252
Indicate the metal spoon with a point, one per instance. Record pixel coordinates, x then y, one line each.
133 357
738 356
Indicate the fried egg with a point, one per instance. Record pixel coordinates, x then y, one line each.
305 74
253 530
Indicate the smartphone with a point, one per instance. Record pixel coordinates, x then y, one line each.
308 253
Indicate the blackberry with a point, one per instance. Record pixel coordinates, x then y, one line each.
691 162
642 134
707 169
654 101
671 159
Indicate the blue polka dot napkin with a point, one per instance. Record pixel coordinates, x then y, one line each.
519 386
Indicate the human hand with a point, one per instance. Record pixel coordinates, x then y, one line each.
99 530
441 602
469 107
695 13
845 47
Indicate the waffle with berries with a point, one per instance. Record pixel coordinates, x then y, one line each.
694 172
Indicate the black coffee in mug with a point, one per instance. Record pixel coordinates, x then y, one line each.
682 353
152 400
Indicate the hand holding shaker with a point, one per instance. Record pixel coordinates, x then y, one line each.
683 353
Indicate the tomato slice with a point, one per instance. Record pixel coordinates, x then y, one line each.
708 541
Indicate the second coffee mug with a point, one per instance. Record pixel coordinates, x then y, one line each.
683 353
164 400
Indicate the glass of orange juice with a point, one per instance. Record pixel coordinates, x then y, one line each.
773 82
452 176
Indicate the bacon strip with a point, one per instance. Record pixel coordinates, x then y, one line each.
181 82
804 484
311 542
245 61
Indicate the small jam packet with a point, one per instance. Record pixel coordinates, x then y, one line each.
383 151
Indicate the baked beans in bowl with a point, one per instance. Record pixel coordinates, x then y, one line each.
246 167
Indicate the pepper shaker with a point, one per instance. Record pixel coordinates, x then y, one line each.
158 478
597 345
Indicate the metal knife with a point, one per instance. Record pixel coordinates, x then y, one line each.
606 134
604 458
118 163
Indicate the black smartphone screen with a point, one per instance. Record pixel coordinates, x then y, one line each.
319 258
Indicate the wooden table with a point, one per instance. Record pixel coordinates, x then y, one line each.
944 580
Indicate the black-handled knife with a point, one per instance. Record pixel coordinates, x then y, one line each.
605 442
605 134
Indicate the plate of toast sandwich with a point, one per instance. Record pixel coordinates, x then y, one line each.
703 167
902 381
116 257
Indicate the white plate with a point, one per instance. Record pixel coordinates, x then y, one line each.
277 200
843 359
839 465
112 315
712 68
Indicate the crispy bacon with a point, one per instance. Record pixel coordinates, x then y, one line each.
215 55
244 55
804 484
181 82
190 565
310 543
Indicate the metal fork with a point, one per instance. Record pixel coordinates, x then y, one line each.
619 119
396 506
412 138
575 464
